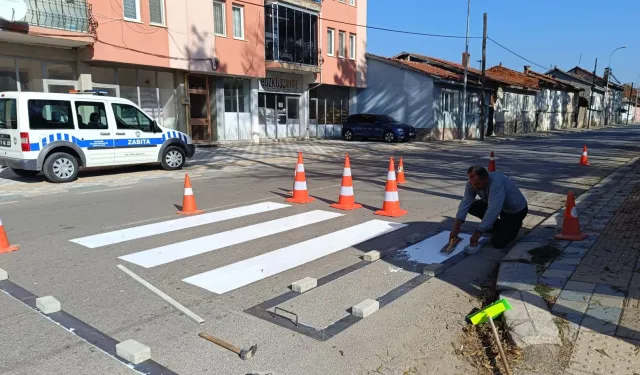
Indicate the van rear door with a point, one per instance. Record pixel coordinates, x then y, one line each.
10 143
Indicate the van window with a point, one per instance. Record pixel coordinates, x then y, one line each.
50 114
8 114
91 115
131 118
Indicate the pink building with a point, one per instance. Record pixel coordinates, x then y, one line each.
221 70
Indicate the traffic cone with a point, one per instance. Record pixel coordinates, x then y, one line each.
189 201
391 205
492 163
346 200
571 224
300 192
5 246
400 175
584 159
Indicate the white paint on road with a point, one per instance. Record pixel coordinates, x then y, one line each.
148 230
9 202
428 251
236 275
181 250
103 190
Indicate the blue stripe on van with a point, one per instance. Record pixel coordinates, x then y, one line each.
51 138
34 147
66 137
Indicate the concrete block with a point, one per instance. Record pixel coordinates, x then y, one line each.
4 275
48 305
516 276
433 269
554 282
371 256
564 307
579 286
573 295
562 266
365 308
304 285
133 352
604 313
556 273
520 251
529 321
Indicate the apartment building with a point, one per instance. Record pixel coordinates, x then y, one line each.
221 70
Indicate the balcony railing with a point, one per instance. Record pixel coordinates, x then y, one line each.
292 52
70 15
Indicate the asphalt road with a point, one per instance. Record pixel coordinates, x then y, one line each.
415 330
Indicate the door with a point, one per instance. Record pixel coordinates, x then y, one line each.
135 141
199 111
95 132
293 117
10 140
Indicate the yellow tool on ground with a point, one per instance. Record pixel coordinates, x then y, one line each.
453 243
487 315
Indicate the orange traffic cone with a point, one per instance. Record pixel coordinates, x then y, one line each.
571 224
346 200
400 176
492 163
189 201
300 192
5 246
584 159
391 205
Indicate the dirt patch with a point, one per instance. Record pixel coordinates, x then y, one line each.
545 291
543 255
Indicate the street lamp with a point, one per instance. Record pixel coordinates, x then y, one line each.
607 89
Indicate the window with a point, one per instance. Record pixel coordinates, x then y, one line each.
525 103
472 103
91 115
30 75
342 44
330 39
352 2
131 10
156 12
60 71
446 101
219 21
236 95
50 114
8 114
130 118
8 75
238 22
352 46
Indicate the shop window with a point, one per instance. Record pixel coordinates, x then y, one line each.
50 114
236 95
103 75
128 81
149 93
168 103
30 75
60 71
8 74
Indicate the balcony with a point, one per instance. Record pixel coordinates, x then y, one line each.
65 23
314 5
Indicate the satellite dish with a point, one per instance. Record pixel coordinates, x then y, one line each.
13 10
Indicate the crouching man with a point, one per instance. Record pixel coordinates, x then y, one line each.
501 206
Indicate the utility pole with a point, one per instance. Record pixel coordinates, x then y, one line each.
466 71
635 109
483 104
593 86
629 104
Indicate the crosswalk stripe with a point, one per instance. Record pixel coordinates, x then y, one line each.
239 274
166 254
148 230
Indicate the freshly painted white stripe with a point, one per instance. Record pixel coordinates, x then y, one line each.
391 196
347 172
300 167
1 203
391 176
236 275
166 254
347 191
148 230
188 191
103 190
300 185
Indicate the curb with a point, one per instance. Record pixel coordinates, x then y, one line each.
524 283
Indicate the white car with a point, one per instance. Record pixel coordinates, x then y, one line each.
60 133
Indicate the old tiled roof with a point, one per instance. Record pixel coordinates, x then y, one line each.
588 76
423 68
513 77
548 80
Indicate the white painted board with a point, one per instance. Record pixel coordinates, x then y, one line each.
428 251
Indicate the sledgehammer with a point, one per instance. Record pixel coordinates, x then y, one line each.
243 353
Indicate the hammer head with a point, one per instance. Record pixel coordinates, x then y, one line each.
246 354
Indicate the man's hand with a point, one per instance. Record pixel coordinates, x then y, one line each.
455 231
475 238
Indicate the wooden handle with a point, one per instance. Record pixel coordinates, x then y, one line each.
219 342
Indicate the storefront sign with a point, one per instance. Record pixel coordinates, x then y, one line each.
281 83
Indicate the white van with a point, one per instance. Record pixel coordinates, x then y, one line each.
60 133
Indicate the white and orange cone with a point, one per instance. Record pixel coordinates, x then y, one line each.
571 223
5 245
584 159
189 200
346 200
492 163
391 205
400 176
300 191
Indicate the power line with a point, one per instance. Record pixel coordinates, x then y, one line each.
520 56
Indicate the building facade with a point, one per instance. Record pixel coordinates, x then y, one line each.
219 70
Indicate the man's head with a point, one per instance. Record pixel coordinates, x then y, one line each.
478 177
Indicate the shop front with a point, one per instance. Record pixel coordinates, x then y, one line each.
279 102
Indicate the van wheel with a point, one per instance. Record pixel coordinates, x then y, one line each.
173 158
60 167
25 172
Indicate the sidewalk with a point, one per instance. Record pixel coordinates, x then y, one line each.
592 287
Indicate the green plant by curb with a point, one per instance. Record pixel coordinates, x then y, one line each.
545 292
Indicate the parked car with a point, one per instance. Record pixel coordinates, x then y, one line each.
382 127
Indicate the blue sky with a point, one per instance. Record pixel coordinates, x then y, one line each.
544 31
